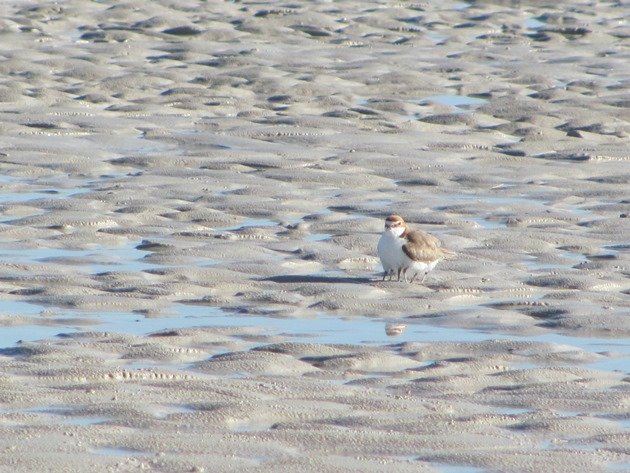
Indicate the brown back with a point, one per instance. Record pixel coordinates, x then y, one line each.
423 247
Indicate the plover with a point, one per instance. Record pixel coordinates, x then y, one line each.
403 250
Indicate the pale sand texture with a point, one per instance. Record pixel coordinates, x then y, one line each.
172 164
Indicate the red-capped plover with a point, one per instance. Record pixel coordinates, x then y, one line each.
403 250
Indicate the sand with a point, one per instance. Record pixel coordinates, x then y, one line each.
190 199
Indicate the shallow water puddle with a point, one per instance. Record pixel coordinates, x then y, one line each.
13 307
66 414
534 23
461 102
15 197
18 322
63 414
28 332
322 329
625 423
486 223
618 467
461 6
503 207
96 260
533 262
318 236
22 191
436 38
118 322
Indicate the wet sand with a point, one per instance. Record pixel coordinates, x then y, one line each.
190 200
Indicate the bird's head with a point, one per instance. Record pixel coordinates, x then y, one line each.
395 224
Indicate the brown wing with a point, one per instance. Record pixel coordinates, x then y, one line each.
423 247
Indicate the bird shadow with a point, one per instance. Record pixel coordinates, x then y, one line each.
308 278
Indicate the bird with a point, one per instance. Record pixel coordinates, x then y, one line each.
404 250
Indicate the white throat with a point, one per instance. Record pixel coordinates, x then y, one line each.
396 231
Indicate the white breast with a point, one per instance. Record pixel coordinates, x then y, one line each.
391 253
